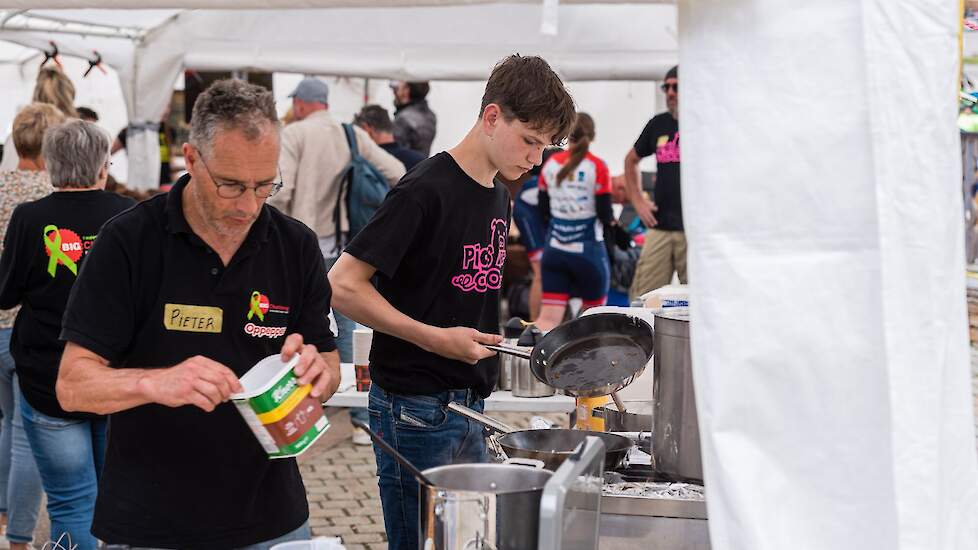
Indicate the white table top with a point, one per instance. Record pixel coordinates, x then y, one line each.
499 401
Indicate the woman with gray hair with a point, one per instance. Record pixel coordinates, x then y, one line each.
45 245
20 484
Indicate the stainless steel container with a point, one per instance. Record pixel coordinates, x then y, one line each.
524 383
481 507
675 432
636 418
511 334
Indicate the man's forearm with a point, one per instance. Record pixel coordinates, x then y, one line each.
632 185
89 386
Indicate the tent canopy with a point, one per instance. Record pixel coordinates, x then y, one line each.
440 40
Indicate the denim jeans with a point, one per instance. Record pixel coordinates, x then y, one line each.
20 484
302 533
344 325
422 429
69 455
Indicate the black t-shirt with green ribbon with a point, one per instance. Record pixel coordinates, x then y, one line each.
153 294
46 244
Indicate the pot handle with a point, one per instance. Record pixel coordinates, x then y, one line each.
531 462
515 352
486 421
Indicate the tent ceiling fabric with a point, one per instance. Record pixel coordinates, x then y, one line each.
280 4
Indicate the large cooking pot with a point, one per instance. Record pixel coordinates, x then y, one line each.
675 432
481 506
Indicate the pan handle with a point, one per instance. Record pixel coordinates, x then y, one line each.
515 352
486 421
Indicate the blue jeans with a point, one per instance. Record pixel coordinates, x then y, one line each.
302 533
428 435
69 455
20 484
344 328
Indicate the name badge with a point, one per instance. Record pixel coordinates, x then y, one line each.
662 141
187 318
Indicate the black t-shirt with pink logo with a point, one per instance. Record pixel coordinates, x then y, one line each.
46 245
661 137
439 245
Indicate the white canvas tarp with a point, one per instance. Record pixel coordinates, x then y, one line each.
829 333
450 42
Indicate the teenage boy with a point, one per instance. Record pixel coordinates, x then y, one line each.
437 246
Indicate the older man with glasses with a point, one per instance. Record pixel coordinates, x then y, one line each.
181 296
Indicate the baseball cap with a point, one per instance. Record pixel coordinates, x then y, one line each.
312 90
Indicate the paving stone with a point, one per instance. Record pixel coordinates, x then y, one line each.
368 537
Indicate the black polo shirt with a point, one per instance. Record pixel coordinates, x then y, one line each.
152 294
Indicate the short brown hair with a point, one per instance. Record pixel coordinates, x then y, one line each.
30 124
527 88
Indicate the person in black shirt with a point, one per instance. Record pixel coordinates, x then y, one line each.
437 246
376 121
46 244
181 296
664 251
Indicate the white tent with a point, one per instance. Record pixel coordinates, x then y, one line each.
150 48
821 188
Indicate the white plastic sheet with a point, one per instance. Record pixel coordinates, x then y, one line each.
821 179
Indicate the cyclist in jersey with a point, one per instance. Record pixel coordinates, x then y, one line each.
575 198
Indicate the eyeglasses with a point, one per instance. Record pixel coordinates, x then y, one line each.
671 86
233 190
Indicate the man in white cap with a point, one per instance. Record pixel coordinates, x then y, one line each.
314 152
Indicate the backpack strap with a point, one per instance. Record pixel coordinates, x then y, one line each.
351 140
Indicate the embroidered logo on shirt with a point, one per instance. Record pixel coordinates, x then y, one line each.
482 264
259 305
64 247
188 318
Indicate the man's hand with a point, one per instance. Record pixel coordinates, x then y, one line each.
320 370
644 208
461 343
197 381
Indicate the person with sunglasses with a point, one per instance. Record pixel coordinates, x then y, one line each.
664 251
180 297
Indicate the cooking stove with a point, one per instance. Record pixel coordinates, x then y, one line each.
642 510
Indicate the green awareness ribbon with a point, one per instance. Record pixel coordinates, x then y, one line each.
256 306
54 247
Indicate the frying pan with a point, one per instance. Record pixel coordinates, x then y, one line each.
590 356
551 446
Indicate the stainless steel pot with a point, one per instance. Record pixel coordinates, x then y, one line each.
511 334
481 507
636 418
675 432
525 384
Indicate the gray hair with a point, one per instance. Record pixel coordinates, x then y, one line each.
232 104
74 153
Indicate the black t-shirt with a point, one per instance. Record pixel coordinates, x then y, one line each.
408 157
153 294
64 223
439 243
661 137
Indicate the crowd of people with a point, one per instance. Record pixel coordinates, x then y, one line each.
104 283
